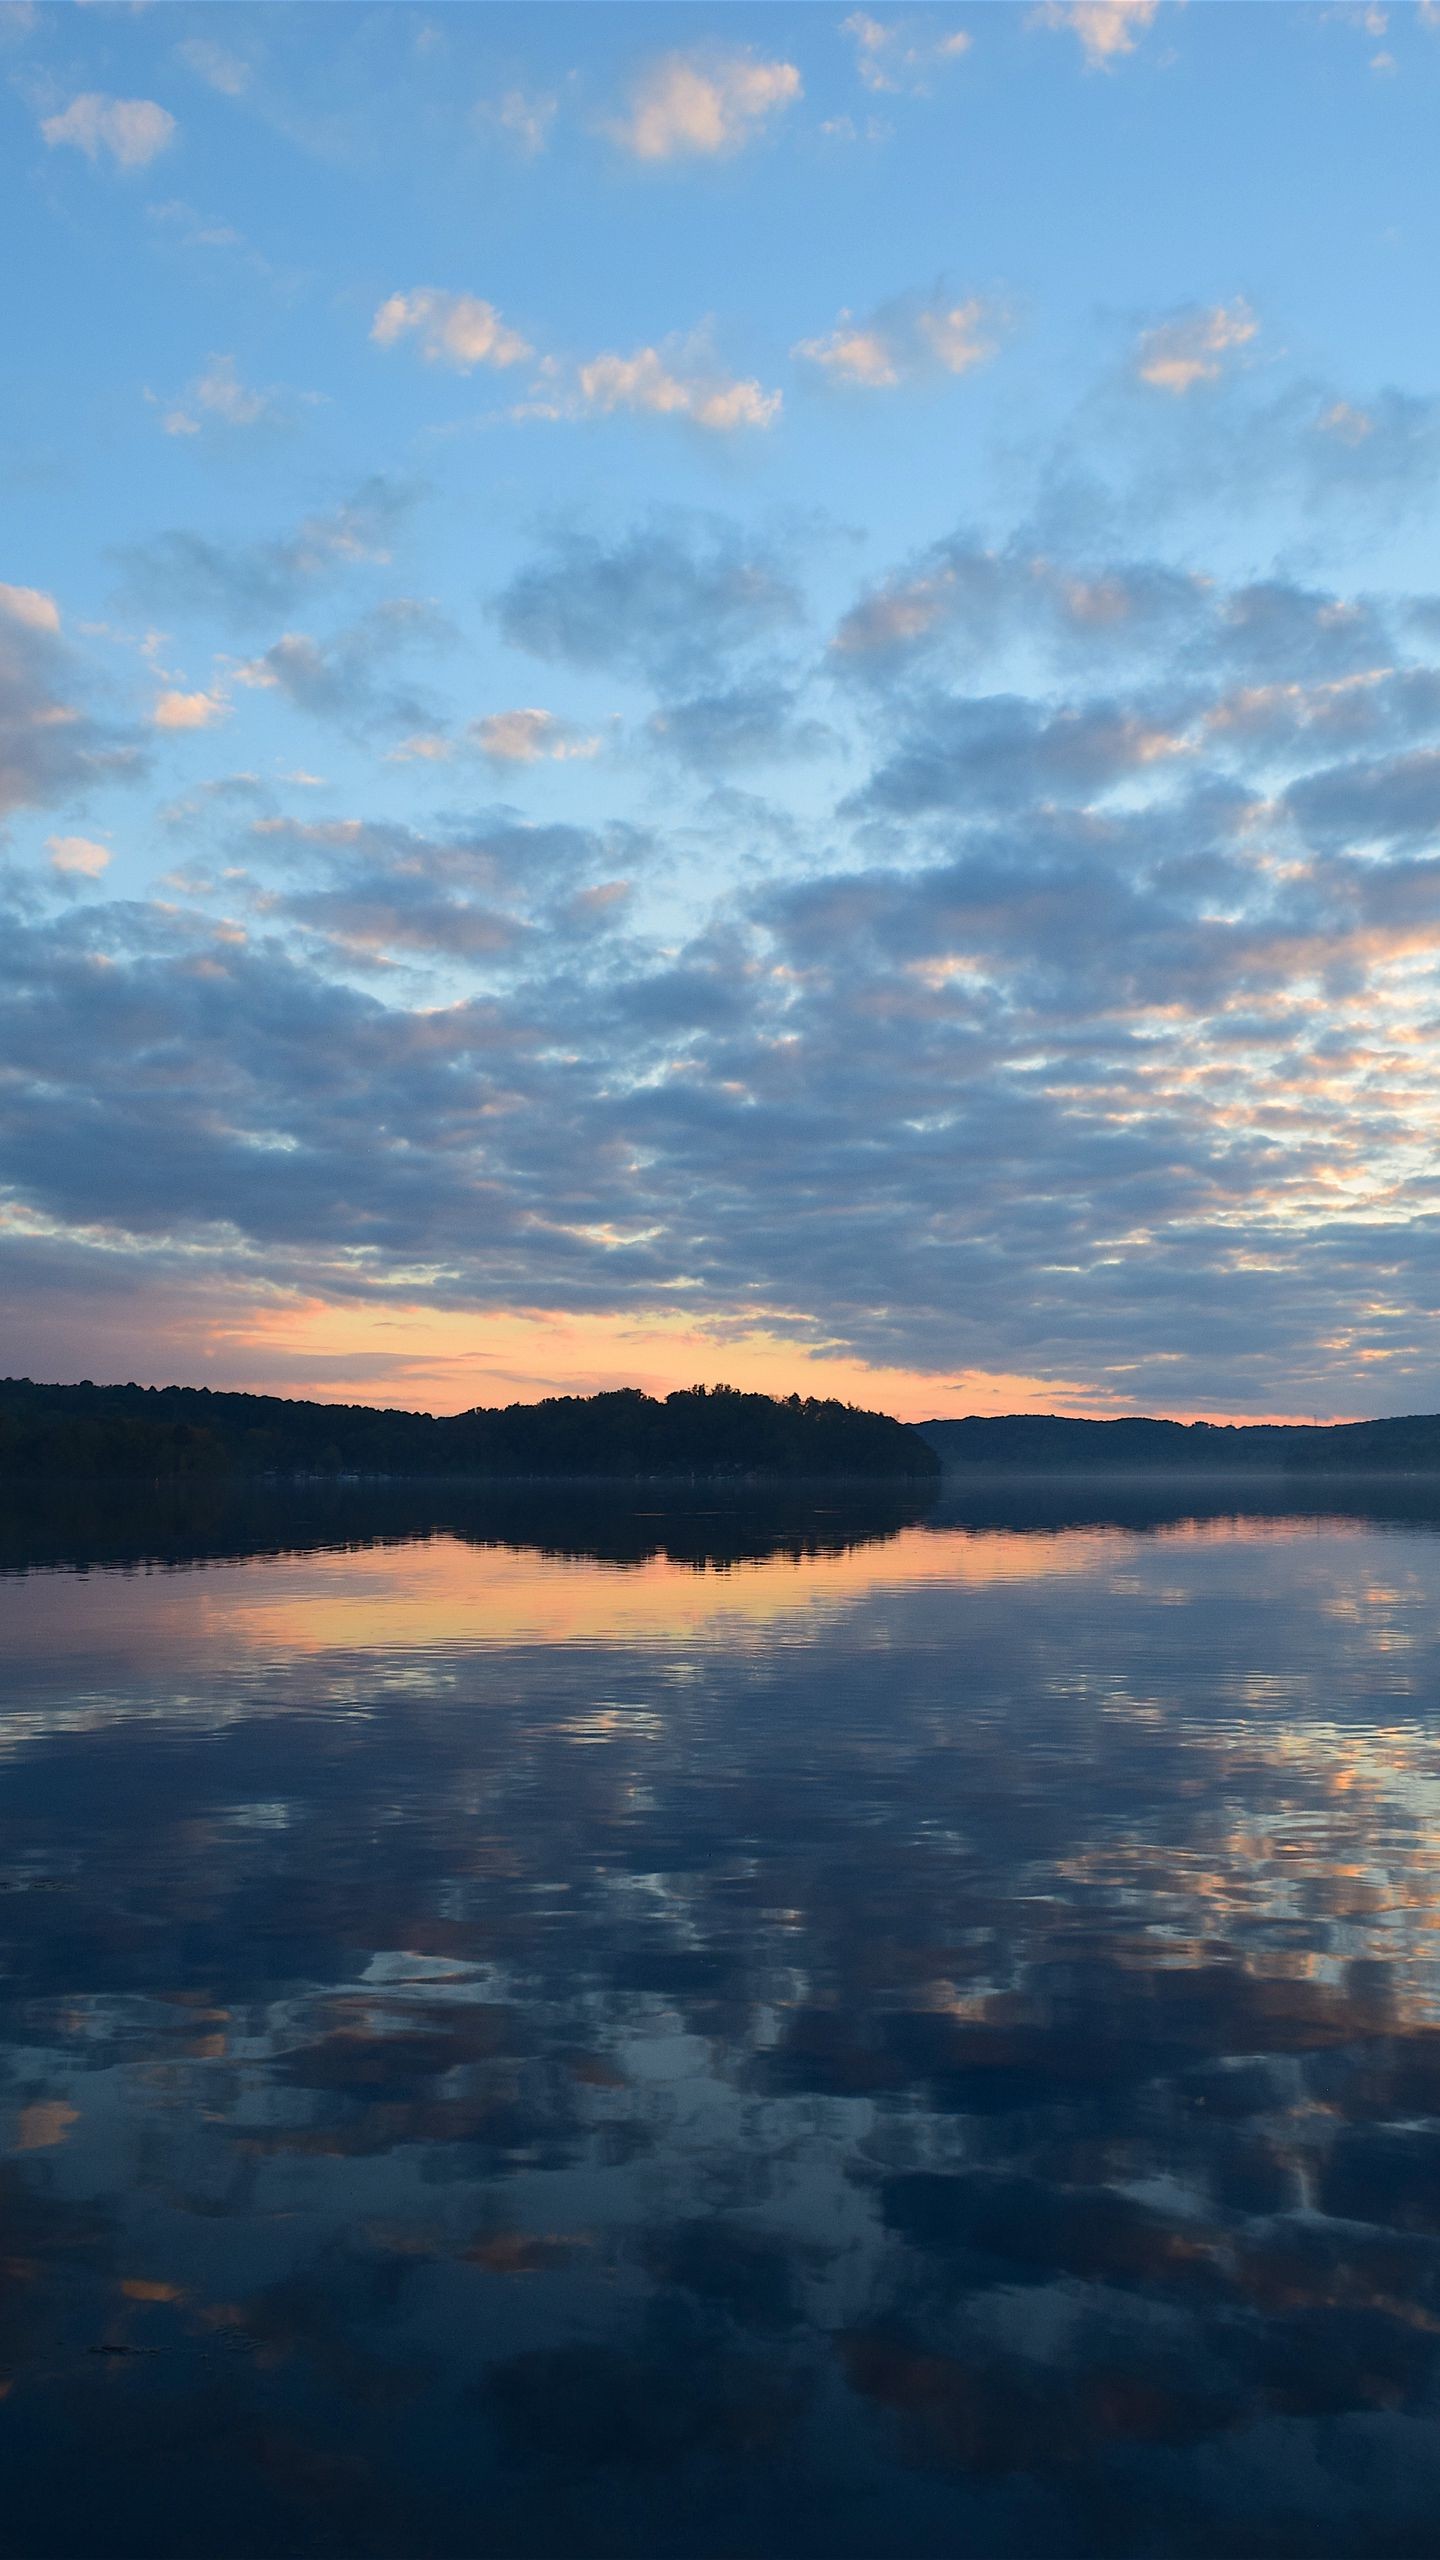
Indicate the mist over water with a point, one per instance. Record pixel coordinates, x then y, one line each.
555 2030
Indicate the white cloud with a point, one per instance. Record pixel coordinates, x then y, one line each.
221 394
502 737
455 329
852 353
899 56
30 606
958 334
905 339
1105 28
525 116
78 854
679 380
176 710
527 737
133 130
649 382
1191 349
703 106
215 65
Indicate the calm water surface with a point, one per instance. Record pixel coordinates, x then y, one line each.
722 2038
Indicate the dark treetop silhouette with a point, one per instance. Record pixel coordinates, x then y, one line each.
699 1431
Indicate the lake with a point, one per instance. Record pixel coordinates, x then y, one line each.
547 2029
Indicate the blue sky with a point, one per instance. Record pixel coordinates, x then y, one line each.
703 691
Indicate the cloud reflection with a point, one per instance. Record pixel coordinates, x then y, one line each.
810 2015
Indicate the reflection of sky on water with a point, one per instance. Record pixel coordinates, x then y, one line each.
932 2046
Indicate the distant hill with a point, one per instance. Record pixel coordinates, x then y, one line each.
1053 1443
193 1432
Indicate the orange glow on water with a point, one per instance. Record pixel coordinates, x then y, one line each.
428 1596
432 1595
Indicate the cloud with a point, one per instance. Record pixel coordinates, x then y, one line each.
454 329
196 230
30 607
1371 803
1272 628
1367 709
1344 420
475 897
968 600
852 353
703 105
134 131
79 855
904 340
669 601
742 724
186 572
1104 29
995 752
176 710
1049 1082
216 65
51 745
1298 455
1190 349
1088 1036
530 737
1370 20
1379 454
681 381
523 116
222 399
503 738
344 679
845 129
900 56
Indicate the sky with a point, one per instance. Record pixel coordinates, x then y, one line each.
708 692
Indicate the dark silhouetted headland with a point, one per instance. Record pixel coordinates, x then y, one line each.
194 1432
1053 1443
190 1433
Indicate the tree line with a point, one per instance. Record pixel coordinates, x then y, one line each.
1055 1443
199 1432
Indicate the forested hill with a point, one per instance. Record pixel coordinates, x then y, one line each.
134 1431
1051 1443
